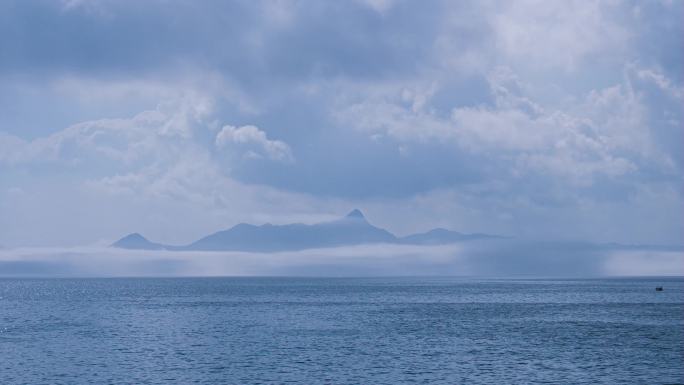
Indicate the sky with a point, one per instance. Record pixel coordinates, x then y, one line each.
546 120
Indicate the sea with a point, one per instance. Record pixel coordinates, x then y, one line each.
414 330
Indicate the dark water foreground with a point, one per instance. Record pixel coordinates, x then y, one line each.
356 331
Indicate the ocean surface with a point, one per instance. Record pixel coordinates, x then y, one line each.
341 331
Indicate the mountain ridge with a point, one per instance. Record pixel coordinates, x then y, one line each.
352 229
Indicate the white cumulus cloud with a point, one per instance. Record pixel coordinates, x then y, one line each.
252 136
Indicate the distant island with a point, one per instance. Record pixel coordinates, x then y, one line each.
353 229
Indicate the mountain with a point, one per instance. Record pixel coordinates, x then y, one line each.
442 236
350 230
137 241
353 229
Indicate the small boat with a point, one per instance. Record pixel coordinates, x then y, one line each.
659 288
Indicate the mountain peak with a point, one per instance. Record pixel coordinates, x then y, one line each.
134 237
136 241
355 214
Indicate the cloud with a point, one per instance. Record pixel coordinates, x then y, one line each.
559 34
606 134
148 134
380 6
560 120
253 136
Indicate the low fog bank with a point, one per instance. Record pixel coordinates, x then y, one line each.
492 258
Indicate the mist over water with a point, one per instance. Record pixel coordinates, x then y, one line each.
500 258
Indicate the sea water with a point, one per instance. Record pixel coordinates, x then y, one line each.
341 331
